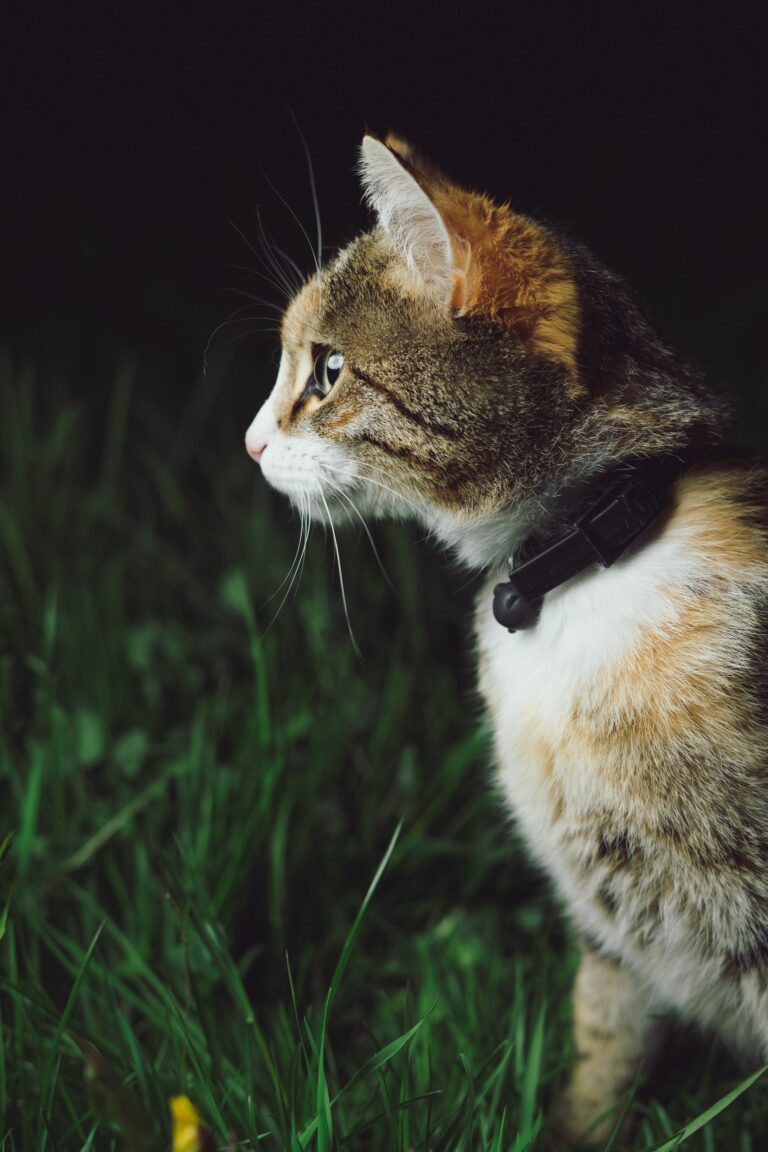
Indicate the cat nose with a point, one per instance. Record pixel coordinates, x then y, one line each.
262 430
255 448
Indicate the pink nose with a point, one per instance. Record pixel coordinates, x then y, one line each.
256 451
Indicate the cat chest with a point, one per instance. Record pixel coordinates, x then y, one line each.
561 762
561 700
537 695
594 711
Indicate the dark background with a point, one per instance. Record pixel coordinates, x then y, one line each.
128 143
132 142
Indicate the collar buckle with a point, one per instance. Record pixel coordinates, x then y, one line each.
600 531
611 526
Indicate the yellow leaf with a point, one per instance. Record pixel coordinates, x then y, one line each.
189 1135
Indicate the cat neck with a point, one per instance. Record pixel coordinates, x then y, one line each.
484 543
493 542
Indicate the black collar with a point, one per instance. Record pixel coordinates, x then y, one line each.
620 505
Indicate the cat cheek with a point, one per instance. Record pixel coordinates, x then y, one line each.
290 466
280 467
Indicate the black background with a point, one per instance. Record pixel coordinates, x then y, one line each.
132 141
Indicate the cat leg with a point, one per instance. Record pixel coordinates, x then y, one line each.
745 1029
611 1021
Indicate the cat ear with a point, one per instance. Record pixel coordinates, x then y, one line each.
477 257
415 161
407 214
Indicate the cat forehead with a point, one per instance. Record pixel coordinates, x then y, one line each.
301 315
360 295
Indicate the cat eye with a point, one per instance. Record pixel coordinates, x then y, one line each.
328 366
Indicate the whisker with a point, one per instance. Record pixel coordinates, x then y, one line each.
418 504
295 217
345 496
288 271
278 280
339 491
273 283
247 319
292 266
233 318
293 561
313 188
341 576
296 564
304 550
263 331
267 324
257 300
378 483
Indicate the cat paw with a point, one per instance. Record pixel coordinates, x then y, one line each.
582 1125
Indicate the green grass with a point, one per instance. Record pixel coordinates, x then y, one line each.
200 804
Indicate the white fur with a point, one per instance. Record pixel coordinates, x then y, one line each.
406 214
263 427
480 542
312 470
586 627
539 677
535 681
301 465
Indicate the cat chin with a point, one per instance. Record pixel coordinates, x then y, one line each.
324 484
305 469
483 543
343 507
325 495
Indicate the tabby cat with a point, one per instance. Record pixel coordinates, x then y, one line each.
464 365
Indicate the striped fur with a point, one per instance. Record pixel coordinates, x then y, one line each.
487 364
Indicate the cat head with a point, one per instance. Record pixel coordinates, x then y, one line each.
459 363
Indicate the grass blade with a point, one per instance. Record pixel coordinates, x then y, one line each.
705 1117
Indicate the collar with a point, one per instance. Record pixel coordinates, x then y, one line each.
619 506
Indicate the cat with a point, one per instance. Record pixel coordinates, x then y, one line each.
462 364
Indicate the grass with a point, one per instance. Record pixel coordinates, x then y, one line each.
200 803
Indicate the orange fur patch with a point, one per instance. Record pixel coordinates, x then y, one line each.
514 273
344 417
674 690
645 724
506 266
721 521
